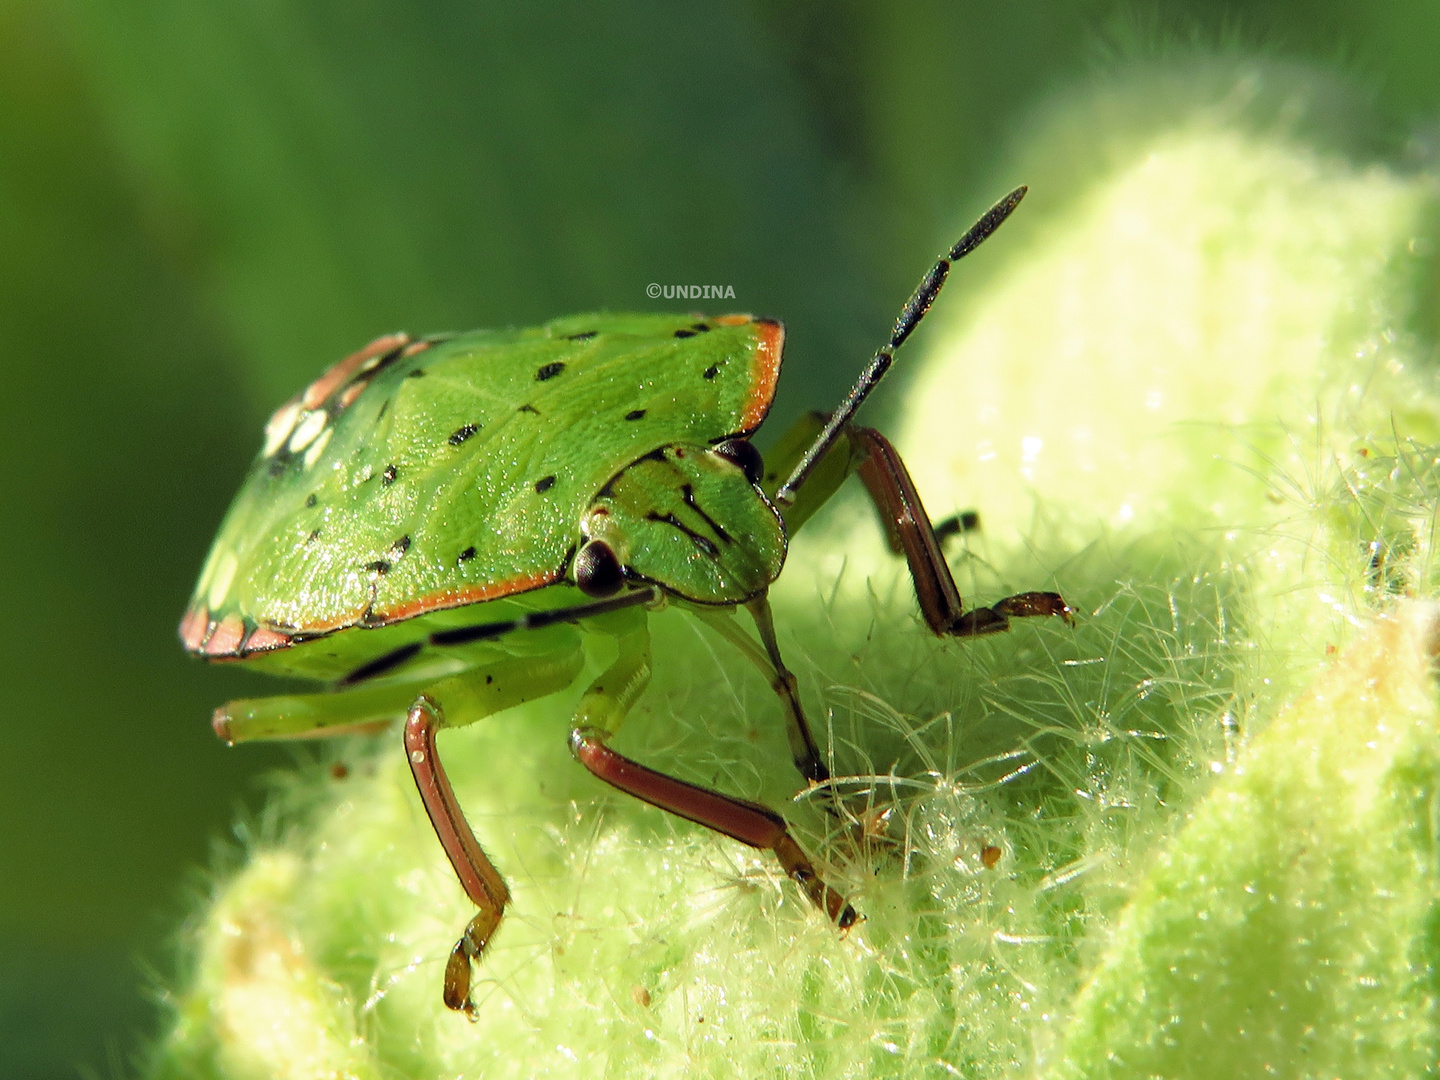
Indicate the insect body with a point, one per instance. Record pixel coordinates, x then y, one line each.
429 522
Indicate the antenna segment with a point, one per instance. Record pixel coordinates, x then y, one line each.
910 316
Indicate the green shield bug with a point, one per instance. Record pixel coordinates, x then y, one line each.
430 522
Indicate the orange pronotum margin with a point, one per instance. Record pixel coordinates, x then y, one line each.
768 349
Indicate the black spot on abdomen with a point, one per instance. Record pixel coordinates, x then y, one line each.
550 370
381 664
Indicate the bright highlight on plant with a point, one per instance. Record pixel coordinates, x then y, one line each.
1190 398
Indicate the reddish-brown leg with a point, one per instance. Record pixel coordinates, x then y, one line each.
749 822
909 529
602 709
469 697
478 876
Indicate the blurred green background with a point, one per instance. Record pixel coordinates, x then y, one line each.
203 203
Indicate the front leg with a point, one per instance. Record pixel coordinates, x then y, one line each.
803 748
889 484
907 527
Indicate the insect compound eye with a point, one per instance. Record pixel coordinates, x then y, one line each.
743 453
598 572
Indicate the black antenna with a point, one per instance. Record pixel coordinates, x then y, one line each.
910 316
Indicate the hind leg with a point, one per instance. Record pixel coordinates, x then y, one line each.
467 698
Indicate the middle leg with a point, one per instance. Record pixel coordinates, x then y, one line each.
599 716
